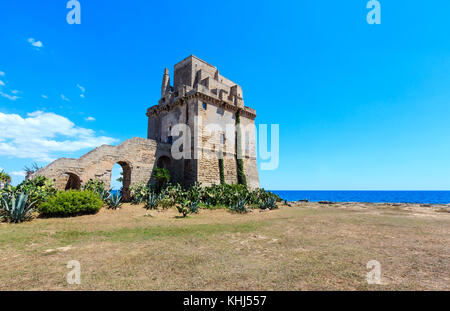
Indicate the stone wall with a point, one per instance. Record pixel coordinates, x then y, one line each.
136 156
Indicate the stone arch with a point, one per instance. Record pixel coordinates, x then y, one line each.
164 162
126 183
73 181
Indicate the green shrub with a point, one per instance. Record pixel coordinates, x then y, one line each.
188 207
15 210
71 203
183 208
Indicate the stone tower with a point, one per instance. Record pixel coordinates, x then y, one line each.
207 103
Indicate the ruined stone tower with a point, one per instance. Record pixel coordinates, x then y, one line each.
207 103
201 101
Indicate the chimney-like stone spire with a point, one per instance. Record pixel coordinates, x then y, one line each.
216 75
165 88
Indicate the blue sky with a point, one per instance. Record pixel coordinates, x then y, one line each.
359 106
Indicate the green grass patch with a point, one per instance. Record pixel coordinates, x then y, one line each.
17 238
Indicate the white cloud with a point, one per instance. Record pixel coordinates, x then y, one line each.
64 98
81 88
21 173
37 44
90 119
42 136
11 97
82 96
44 96
2 83
15 91
2 73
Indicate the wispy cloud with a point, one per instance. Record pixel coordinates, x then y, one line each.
15 91
19 173
89 119
81 88
44 96
10 97
2 73
64 98
43 136
2 83
36 44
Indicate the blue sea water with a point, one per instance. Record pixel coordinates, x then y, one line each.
426 197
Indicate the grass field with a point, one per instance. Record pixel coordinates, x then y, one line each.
302 247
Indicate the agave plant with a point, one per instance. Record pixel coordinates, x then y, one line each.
269 203
193 207
115 200
16 210
103 194
152 202
239 206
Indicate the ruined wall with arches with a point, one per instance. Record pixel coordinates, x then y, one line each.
137 156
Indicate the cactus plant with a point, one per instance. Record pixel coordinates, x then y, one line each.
115 200
16 210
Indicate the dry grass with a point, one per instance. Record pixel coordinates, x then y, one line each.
303 247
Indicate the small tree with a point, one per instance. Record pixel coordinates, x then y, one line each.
5 179
187 207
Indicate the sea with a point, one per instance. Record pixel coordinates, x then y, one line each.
424 197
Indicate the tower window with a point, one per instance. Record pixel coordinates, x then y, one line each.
204 106
222 138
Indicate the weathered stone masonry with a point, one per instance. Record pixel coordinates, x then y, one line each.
200 96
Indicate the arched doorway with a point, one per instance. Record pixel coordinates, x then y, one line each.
121 178
163 162
73 182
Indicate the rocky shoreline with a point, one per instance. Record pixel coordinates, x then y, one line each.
413 207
